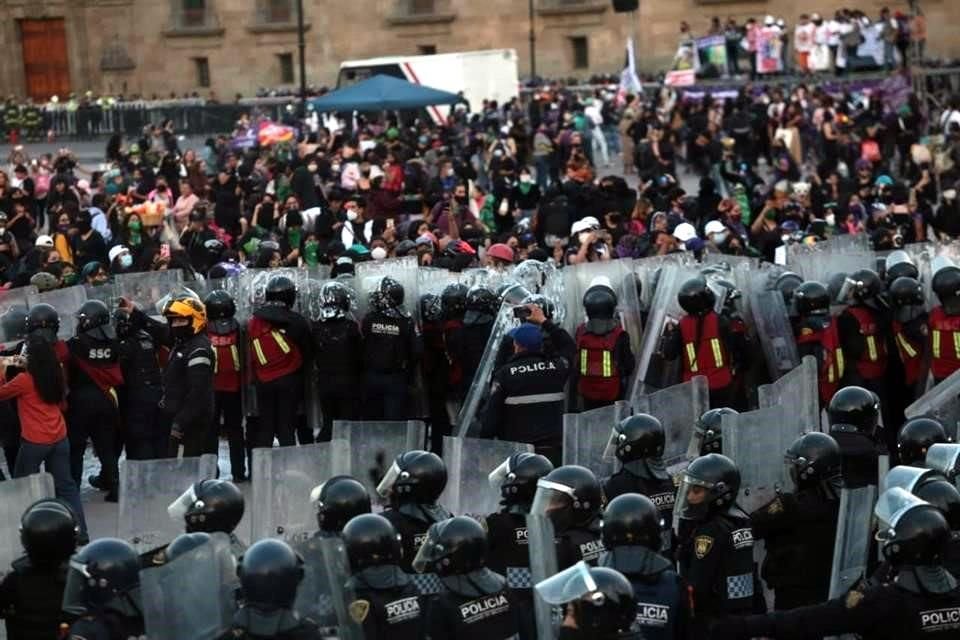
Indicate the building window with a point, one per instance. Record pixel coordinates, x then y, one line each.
277 12
426 49
193 13
286 67
581 52
202 65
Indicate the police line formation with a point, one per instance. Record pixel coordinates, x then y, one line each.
633 449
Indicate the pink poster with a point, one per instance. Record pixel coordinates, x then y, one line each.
769 50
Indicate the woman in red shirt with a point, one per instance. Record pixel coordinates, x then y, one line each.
40 392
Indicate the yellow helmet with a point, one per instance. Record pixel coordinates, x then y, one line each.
187 306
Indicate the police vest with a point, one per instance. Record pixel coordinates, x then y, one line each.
704 353
274 355
658 606
99 363
873 363
226 361
910 352
831 363
599 374
944 343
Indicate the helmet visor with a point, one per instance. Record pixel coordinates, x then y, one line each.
610 451
904 477
550 498
499 475
945 458
891 506
389 479
693 498
178 508
573 583
430 551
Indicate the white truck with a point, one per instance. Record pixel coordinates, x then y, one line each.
480 75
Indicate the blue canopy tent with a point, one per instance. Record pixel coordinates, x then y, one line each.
383 93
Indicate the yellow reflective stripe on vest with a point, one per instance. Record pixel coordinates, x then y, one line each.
936 343
956 344
262 359
717 352
872 348
905 346
841 367
584 355
236 357
280 341
607 365
216 360
692 357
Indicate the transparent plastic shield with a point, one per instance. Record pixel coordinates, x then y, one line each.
469 463
403 270
945 458
891 505
194 596
798 391
147 488
678 408
67 302
308 298
941 402
373 446
13 311
773 329
323 595
145 289
16 495
756 441
851 546
545 279
542 546
469 420
283 478
586 434
568 585
905 477
252 288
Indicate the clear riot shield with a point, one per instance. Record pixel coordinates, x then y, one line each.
773 329
373 446
678 408
469 463
545 279
145 289
945 458
403 270
13 311
323 595
586 434
820 265
16 495
542 546
67 302
312 280
283 478
757 441
252 288
798 391
941 402
194 596
469 420
851 546
147 488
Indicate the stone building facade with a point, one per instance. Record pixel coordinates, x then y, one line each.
227 47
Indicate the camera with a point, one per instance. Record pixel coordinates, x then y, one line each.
521 313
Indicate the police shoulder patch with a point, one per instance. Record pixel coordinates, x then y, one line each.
853 598
806 331
702 546
359 609
775 507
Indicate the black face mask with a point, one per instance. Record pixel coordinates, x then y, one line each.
460 199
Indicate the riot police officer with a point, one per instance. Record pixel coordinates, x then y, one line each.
799 527
188 396
435 367
228 342
632 534
909 329
527 392
715 550
95 376
146 437
603 347
270 572
31 594
280 351
453 306
818 336
853 414
945 323
480 312
638 442
600 603
391 348
921 602
413 483
476 604
336 336
337 501
211 506
708 429
103 591
571 497
862 333
915 438
387 604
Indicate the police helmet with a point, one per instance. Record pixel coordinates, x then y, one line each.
389 295
431 308
854 409
270 572
910 530
542 301
570 496
371 540
481 302
101 572
48 532
638 437
415 476
811 298
220 305
453 300
13 323
946 284
453 547
867 285
709 429
209 506
718 476
695 297
915 438
335 300
45 319
631 519
93 320
906 292
185 543
338 500
600 302
787 284
812 459
281 289
602 599
122 324
516 478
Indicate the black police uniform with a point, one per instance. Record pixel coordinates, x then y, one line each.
31 599
290 627
106 625
799 531
146 436
527 397
340 370
412 522
467 345
715 558
860 454
663 609
635 477
388 606
507 552
474 606
390 351
580 543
